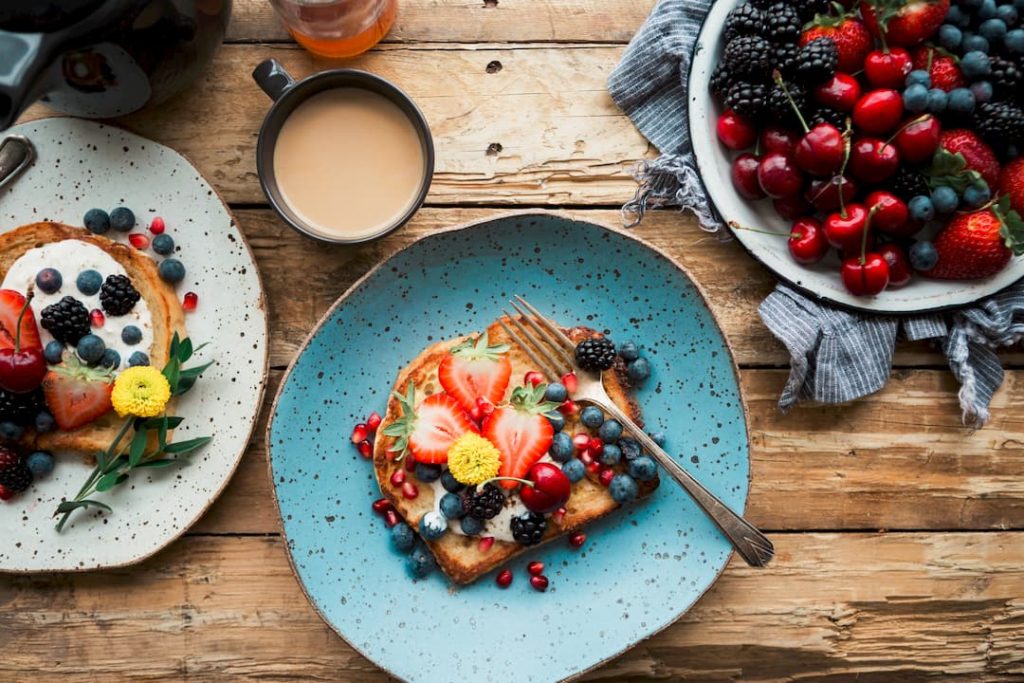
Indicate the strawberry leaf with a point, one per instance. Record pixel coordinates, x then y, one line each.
1012 226
949 169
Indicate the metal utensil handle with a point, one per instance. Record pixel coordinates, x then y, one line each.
16 153
750 543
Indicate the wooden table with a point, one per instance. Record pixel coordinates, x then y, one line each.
900 534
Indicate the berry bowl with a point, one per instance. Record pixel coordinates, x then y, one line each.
823 274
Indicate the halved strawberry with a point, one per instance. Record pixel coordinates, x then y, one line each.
11 303
429 429
520 431
77 394
474 369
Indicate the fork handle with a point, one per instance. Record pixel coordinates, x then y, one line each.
750 543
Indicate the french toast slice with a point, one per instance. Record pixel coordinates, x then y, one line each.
461 557
167 314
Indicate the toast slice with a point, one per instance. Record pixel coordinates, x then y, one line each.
165 309
461 557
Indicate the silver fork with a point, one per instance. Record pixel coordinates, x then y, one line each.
553 352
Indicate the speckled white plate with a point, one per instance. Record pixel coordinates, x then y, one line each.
81 165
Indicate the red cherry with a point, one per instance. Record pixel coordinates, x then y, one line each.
791 208
504 578
807 242
775 139
824 194
879 111
846 232
734 131
22 368
918 140
744 177
891 214
873 160
539 583
820 152
865 276
841 92
577 539
157 226
778 175
887 68
535 568
549 491
899 265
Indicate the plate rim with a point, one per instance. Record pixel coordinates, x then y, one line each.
264 373
465 226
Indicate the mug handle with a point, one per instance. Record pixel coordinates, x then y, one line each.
272 78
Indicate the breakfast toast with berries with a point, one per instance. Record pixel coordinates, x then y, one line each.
482 394
75 392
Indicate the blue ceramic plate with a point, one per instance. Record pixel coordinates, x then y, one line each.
641 567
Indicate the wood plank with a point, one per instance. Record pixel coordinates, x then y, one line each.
476 21
876 607
541 130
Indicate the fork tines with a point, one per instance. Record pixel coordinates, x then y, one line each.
542 340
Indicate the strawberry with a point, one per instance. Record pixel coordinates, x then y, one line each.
853 42
1011 183
903 22
979 244
77 394
520 431
429 429
976 153
941 67
11 303
474 370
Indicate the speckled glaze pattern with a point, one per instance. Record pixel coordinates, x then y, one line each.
641 568
82 165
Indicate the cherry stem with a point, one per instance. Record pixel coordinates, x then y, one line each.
524 482
777 77
761 231
920 119
17 333
847 146
864 236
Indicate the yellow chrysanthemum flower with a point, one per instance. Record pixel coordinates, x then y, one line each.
472 459
142 391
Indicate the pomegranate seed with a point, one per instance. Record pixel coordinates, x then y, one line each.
360 433
606 476
577 539
569 408
581 441
157 226
485 543
96 318
587 458
5 493
594 467
138 240
571 382
409 490
596 446
475 414
535 568
485 406
539 583
190 301
373 421
381 505
504 578
398 478
365 449
410 463
533 378
558 514
391 518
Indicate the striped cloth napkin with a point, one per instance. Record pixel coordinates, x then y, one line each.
835 356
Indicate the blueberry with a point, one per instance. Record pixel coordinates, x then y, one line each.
658 438
131 335
921 208
556 392
451 506
556 419
975 64
938 99
919 77
11 431
961 100
972 42
163 244
977 195
53 352
426 472
1018 5
623 488
987 10
574 470
610 454
172 270
89 282
1014 41
950 37
638 370
954 15
993 30
945 199
982 90
402 537
450 483
561 449
111 359
97 221
44 422
433 525
91 348
471 526
138 358
629 350
630 448
592 417
421 562
923 256
1009 15
643 468
49 280
915 98
122 219
610 431
40 463
972 4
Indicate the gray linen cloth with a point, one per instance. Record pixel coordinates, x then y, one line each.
835 356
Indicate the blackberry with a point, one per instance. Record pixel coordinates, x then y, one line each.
782 23
67 320
808 9
762 4
1001 124
1006 78
721 81
907 183
817 61
743 20
747 99
485 503
21 409
778 106
16 478
118 296
528 528
748 56
595 354
827 115
785 59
